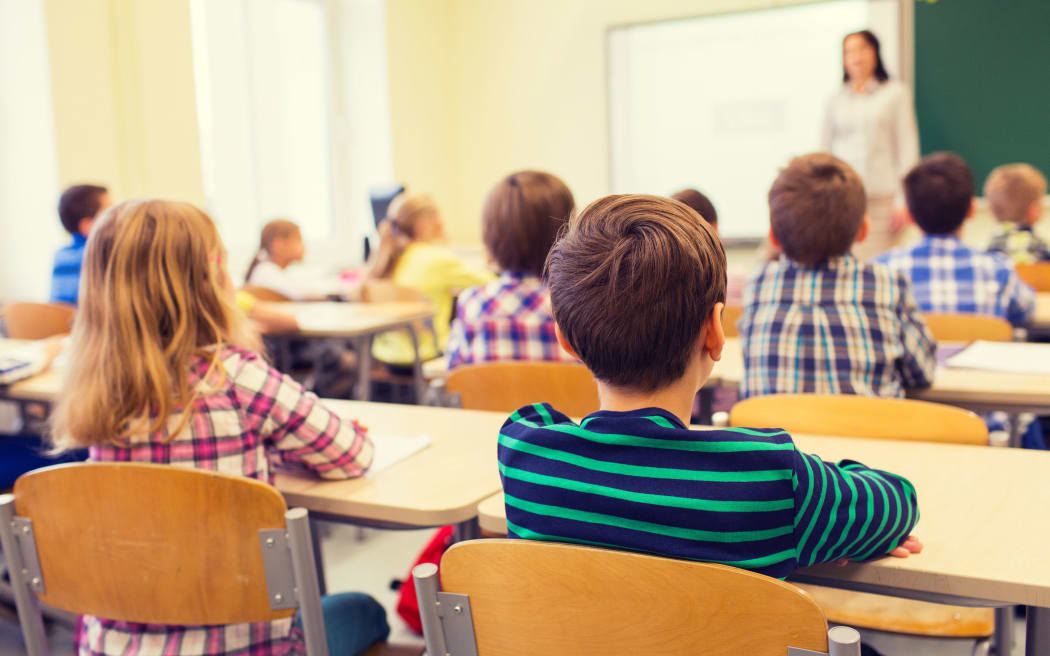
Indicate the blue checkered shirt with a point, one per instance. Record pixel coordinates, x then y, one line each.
65 275
841 327
949 277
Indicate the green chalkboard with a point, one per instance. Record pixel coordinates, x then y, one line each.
982 81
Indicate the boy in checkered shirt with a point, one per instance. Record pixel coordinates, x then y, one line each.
946 275
510 317
817 320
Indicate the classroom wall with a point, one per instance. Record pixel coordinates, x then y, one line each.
490 86
124 102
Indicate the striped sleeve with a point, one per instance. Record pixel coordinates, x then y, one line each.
847 510
294 421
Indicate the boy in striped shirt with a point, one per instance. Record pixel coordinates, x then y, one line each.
637 289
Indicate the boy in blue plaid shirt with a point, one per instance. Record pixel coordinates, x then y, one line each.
817 320
946 275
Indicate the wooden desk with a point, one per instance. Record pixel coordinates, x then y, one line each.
981 391
983 523
360 323
440 485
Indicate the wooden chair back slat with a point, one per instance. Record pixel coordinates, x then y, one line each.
968 328
266 294
730 316
37 320
152 543
1037 275
861 416
507 386
529 597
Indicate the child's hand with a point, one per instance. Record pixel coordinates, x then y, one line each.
910 546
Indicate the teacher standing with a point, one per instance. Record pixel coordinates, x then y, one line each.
870 123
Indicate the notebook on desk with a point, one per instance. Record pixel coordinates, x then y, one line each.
21 361
1005 357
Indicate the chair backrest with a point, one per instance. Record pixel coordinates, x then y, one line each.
160 544
968 327
507 386
37 320
730 316
528 597
1037 275
861 416
266 294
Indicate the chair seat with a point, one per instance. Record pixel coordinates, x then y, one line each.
872 611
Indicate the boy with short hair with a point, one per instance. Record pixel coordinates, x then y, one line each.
817 320
637 288
77 209
1015 195
946 275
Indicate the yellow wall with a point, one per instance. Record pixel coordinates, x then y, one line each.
509 84
124 102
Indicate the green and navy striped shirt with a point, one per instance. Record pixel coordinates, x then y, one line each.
643 481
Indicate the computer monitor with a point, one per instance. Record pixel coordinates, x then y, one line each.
381 197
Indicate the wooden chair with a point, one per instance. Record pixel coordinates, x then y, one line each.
124 541
266 294
968 327
861 416
37 320
517 597
1037 275
730 316
888 419
507 386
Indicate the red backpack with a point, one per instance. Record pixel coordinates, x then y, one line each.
407 604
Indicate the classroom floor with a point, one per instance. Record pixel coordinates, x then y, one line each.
368 565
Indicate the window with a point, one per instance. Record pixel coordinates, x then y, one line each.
294 118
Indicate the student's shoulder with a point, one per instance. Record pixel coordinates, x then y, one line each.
244 367
536 416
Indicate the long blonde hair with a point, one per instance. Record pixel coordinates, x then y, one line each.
272 231
397 231
155 295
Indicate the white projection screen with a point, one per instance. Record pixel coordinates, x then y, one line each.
721 102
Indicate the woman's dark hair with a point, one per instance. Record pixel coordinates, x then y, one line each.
880 70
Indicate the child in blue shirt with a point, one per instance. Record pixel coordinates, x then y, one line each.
77 208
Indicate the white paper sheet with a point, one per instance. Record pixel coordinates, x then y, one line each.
1009 357
392 449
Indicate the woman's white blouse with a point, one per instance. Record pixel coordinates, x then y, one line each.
874 131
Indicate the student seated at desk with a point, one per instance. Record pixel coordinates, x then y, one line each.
410 255
1015 195
162 369
510 318
817 320
637 287
77 208
946 275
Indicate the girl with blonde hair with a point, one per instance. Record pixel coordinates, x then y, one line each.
410 255
163 369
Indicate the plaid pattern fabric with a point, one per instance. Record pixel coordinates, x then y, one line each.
508 319
1020 245
949 277
842 327
247 421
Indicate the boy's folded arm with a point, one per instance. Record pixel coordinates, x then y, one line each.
847 510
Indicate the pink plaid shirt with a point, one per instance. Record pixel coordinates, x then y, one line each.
508 319
255 421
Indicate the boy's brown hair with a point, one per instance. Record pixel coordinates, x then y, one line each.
1013 188
522 217
632 282
816 208
939 192
699 202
